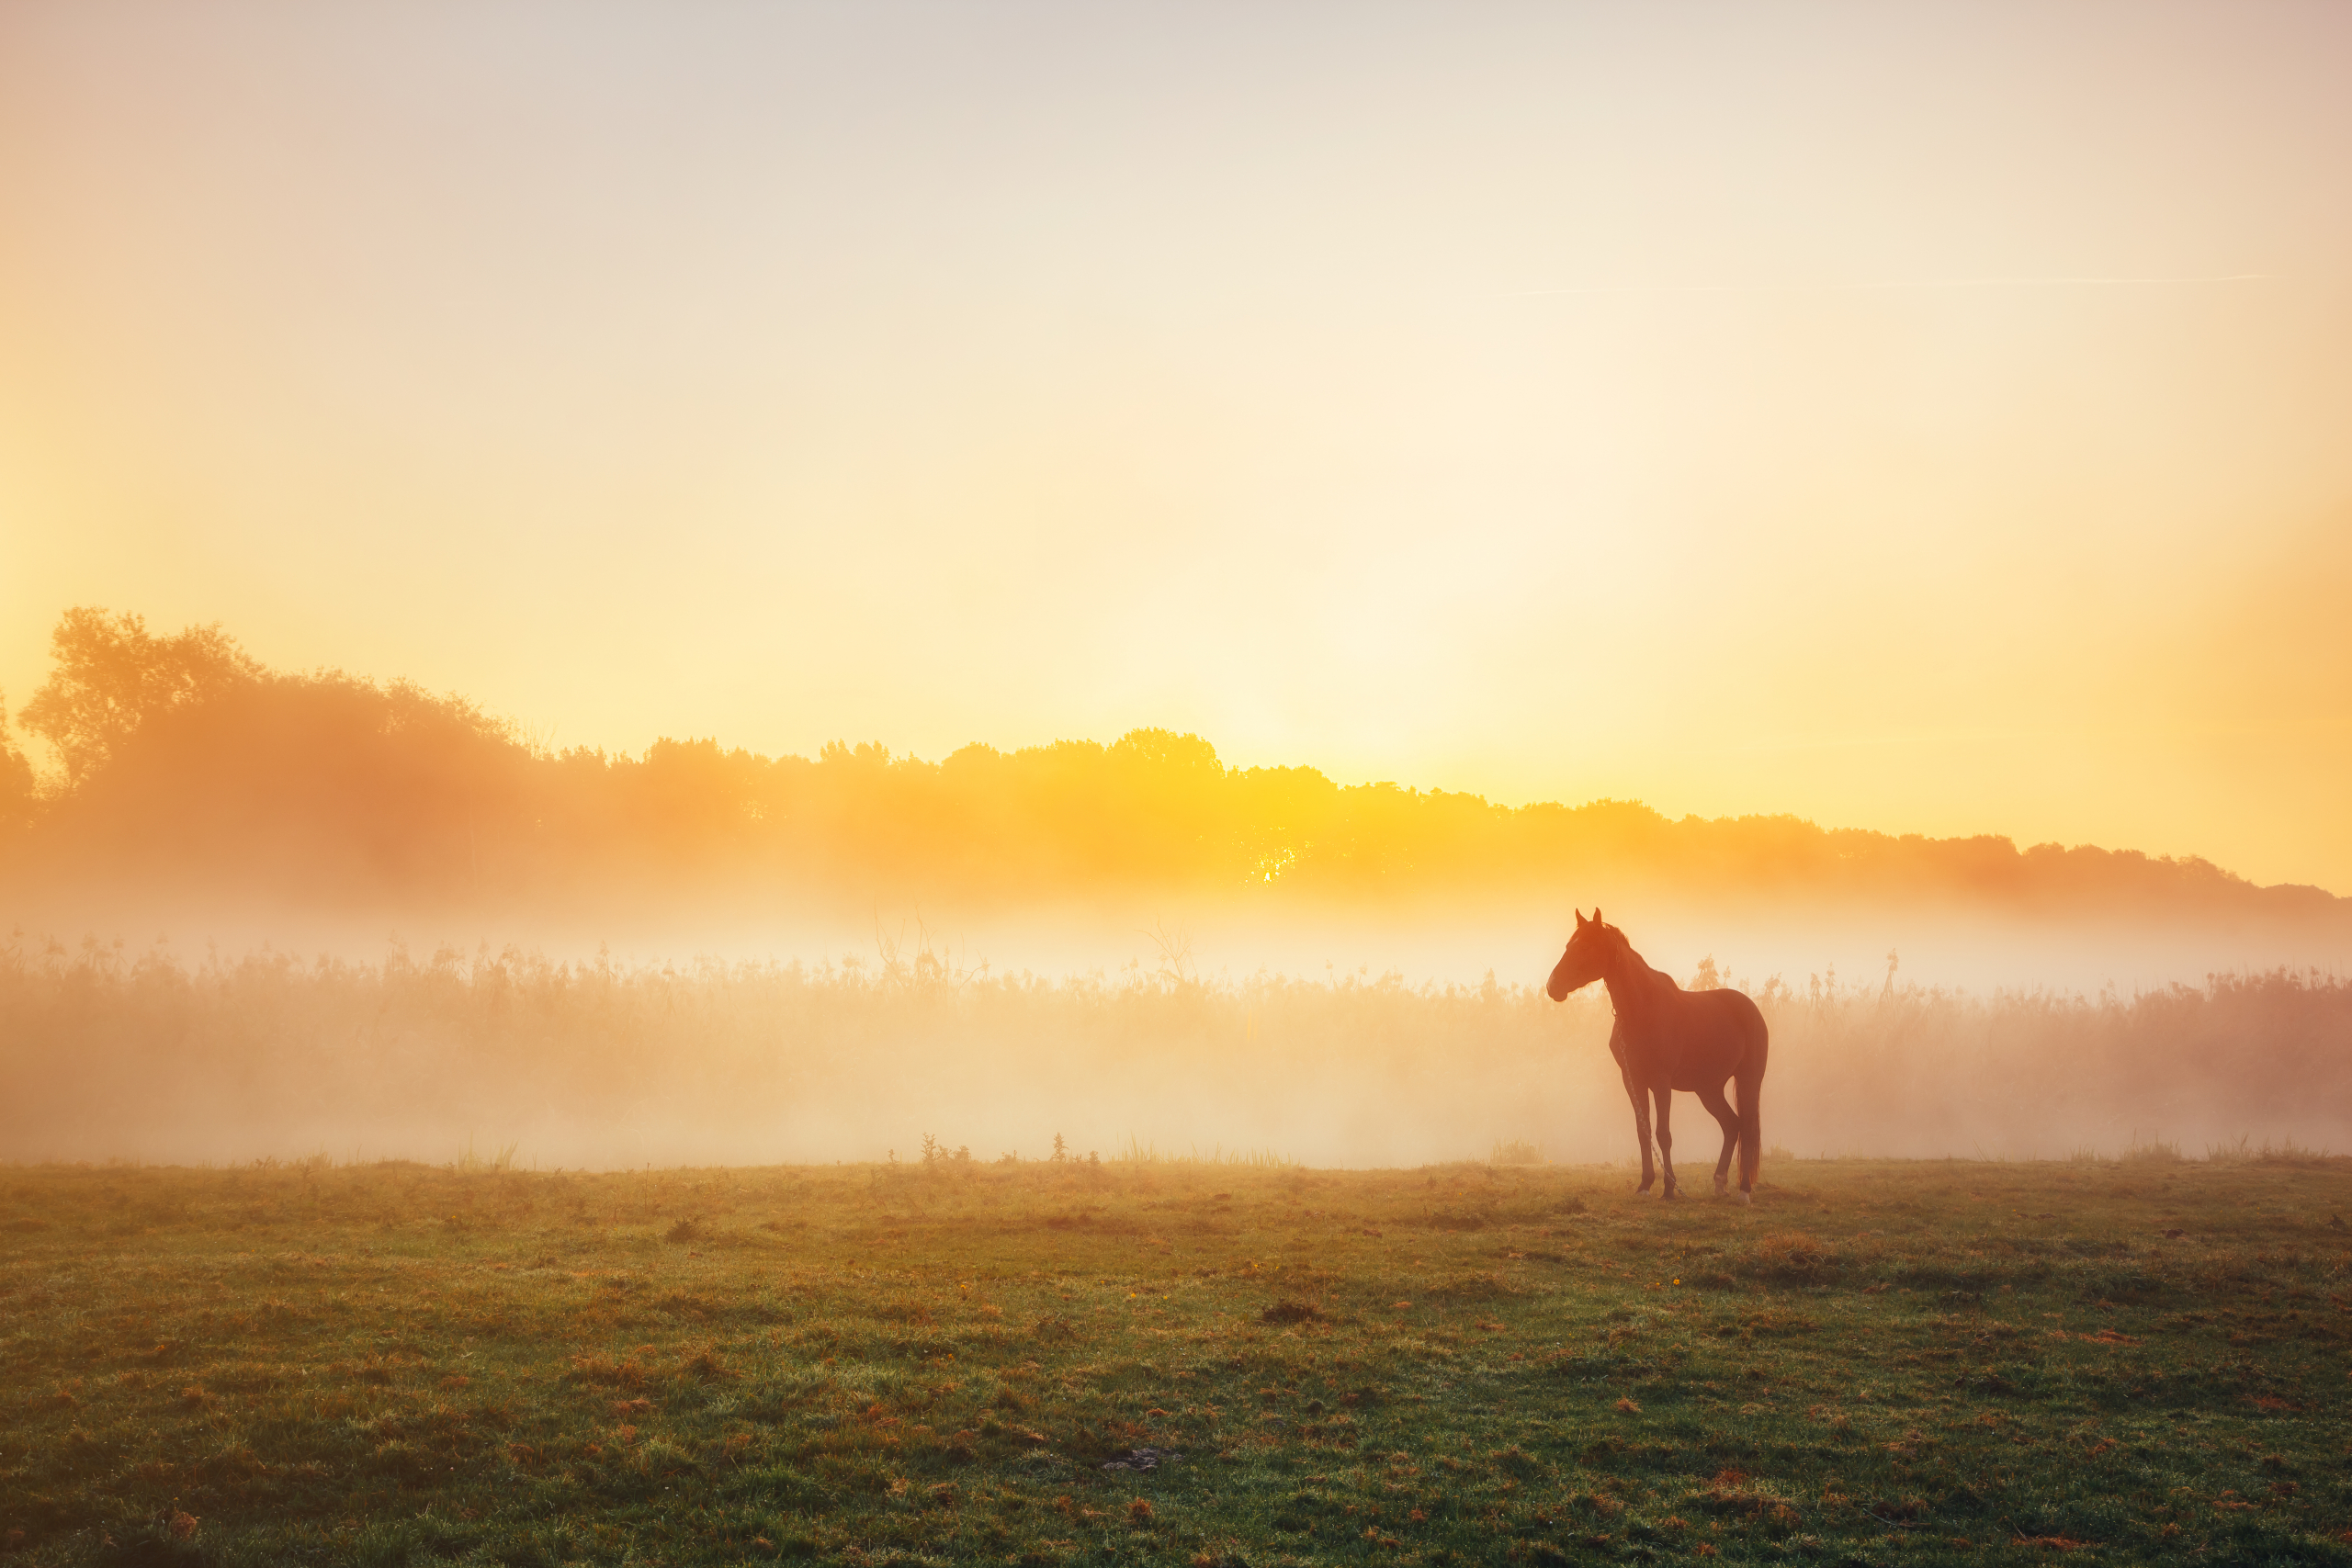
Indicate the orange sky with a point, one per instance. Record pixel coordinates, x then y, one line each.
1930 419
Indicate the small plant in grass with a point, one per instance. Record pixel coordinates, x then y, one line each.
2152 1150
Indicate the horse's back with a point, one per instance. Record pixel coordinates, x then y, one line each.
1732 1037
1745 1014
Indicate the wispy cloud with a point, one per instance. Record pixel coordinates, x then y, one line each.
1884 283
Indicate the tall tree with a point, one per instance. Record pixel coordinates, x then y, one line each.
111 675
16 777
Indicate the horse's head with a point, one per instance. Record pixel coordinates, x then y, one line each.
1591 953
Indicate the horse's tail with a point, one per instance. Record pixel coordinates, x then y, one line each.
1748 1078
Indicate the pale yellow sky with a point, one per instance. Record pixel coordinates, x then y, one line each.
1924 418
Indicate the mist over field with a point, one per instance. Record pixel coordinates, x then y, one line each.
256 915
112 1054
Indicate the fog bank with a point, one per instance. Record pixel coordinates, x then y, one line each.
110 1053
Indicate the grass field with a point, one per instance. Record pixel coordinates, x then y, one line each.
1878 1362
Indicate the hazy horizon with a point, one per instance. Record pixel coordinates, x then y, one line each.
1150 500
254 914
198 801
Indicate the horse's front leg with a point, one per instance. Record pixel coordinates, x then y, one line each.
1641 1100
1665 1138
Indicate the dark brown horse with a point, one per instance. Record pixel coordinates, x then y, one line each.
1667 1038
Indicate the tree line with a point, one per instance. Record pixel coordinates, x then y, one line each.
182 759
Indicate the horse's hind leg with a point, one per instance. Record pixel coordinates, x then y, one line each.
1720 1108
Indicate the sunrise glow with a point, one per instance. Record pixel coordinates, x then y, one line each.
1927 420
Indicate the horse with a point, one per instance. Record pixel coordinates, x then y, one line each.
1667 1038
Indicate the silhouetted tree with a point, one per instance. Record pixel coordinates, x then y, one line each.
183 757
111 676
15 778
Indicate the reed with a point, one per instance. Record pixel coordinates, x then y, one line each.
106 1053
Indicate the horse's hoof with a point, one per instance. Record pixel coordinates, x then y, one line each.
1722 1187
1742 1197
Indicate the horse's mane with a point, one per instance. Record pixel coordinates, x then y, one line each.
1647 970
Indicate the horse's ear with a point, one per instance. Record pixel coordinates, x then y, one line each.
1581 922
1596 914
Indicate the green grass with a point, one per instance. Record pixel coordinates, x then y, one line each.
1878 1362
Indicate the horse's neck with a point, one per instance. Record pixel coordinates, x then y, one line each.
1633 985
1624 991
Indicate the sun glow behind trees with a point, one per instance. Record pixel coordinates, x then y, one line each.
1729 409
185 765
